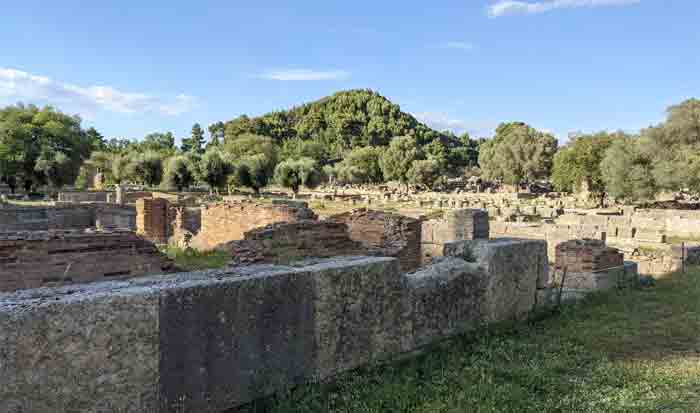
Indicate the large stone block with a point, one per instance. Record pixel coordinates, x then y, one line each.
512 270
86 351
445 299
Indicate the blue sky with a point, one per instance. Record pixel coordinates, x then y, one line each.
135 67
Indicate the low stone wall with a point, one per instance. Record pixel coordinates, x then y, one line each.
586 255
108 216
48 258
552 233
213 340
284 243
229 221
394 235
578 285
65 217
454 225
76 197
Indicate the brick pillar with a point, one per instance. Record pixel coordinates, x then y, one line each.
152 219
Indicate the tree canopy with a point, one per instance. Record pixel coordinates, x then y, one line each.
37 144
517 153
343 121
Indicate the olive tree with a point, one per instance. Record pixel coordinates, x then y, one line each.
295 173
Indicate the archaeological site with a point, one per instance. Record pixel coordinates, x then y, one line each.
307 294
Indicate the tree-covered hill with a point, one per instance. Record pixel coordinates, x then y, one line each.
345 120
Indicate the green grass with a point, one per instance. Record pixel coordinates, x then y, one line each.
679 240
624 351
192 260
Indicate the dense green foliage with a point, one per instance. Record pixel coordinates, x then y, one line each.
178 173
398 158
345 120
577 165
627 171
425 172
354 137
194 143
146 168
40 146
517 153
295 173
215 169
360 166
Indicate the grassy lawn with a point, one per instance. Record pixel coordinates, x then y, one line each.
193 260
630 351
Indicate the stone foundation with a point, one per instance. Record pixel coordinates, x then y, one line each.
50 258
213 340
284 243
394 235
586 255
229 221
455 225
66 217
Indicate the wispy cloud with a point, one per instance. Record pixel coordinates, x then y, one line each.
464 46
442 121
305 75
22 85
510 7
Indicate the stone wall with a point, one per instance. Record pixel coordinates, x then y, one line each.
66 217
454 225
152 219
46 258
229 221
283 243
45 218
76 197
394 235
586 255
213 340
109 216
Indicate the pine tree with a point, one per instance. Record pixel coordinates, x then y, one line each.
195 143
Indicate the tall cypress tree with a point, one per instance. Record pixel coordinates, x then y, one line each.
195 143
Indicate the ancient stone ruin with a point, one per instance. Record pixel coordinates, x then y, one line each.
390 235
213 340
303 299
34 259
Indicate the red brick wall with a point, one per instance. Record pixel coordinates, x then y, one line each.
229 221
152 219
49 258
586 255
391 235
283 243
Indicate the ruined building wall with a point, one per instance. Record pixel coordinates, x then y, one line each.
66 217
243 333
47 258
389 234
152 219
229 221
75 197
586 255
455 225
283 243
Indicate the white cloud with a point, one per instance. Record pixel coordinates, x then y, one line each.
464 46
441 121
22 85
509 7
305 75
